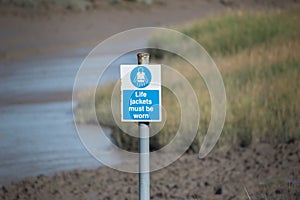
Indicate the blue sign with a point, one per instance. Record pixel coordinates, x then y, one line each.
141 105
140 93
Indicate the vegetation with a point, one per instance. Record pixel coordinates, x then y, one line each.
258 56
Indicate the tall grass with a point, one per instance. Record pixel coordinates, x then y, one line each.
240 31
258 56
263 102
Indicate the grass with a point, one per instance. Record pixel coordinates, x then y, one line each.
262 102
244 31
258 56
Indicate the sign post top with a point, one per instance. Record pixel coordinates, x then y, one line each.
143 58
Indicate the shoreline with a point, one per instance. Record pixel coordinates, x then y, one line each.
223 174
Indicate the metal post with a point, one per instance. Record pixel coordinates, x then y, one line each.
144 160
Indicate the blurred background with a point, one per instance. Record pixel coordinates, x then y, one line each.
255 44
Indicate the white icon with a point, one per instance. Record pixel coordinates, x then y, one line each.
140 79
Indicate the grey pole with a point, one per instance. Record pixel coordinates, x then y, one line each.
144 160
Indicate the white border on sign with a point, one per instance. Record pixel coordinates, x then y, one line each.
125 71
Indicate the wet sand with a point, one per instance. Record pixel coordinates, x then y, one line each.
262 172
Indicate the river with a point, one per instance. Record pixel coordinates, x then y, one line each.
37 132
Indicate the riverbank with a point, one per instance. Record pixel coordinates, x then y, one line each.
255 53
262 171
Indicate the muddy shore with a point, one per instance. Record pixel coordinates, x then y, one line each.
262 171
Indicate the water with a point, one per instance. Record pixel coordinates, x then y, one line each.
40 137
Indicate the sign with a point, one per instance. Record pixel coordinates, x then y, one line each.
140 93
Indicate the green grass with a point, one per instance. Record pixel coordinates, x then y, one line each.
258 56
244 31
235 32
